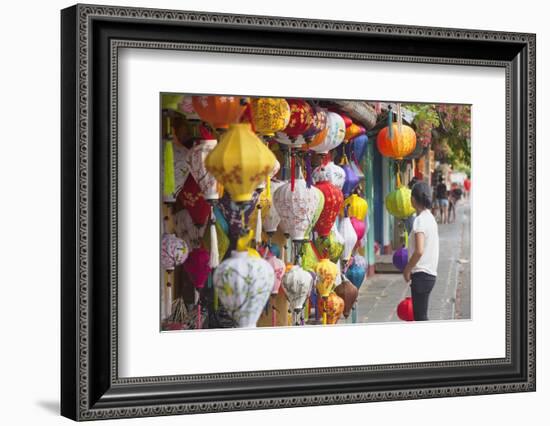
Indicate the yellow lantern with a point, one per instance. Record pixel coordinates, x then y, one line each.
269 115
240 162
326 272
398 203
357 206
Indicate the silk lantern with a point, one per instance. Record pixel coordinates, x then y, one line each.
398 203
347 231
332 246
220 111
318 125
272 218
279 268
334 307
335 135
405 310
326 272
195 162
400 258
297 284
308 256
234 215
269 115
197 267
240 162
301 118
356 274
359 146
357 206
243 285
331 172
401 143
353 131
351 181
192 200
297 209
359 227
174 251
333 202
348 293
187 229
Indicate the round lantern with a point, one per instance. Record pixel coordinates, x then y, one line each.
301 118
359 227
400 258
398 203
357 206
297 284
356 274
244 284
279 268
197 267
405 310
197 168
297 209
192 200
359 147
331 172
220 111
335 135
334 307
332 246
400 145
348 293
326 272
351 181
233 214
269 115
318 125
240 162
349 235
174 251
333 202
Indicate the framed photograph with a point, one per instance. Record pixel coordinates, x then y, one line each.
264 212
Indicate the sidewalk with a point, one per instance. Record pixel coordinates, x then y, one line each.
450 298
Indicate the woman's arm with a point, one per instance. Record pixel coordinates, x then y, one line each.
418 252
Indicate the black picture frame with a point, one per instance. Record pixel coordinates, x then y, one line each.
90 386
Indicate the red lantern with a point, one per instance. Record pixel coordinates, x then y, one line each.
220 111
301 118
405 310
197 267
192 200
334 199
401 144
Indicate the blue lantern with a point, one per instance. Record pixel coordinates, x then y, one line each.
356 274
359 147
351 182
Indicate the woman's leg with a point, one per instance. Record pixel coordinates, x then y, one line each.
421 287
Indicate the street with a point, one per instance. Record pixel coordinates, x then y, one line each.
450 298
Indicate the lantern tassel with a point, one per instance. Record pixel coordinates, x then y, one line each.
258 234
214 251
406 239
398 176
169 175
390 123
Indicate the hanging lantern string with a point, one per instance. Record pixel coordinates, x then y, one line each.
398 175
399 120
292 171
390 123
309 177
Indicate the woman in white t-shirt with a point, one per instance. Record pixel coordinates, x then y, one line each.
421 270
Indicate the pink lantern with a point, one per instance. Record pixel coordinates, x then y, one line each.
197 267
174 251
279 268
359 226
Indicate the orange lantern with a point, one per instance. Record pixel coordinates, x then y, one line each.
401 144
220 111
353 131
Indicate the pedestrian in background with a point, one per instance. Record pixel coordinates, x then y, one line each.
442 200
421 270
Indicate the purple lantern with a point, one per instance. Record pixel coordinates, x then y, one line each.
351 182
401 258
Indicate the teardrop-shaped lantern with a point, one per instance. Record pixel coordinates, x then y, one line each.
220 111
400 145
356 274
195 162
359 227
279 269
334 307
233 213
240 162
335 135
400 258
297 284
359 147
398 203
197 267
326 272
333 203
350 237
357 206
192 200
244 284
174 251
271 221
297 209
331 172
351 181
269 115
348 293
